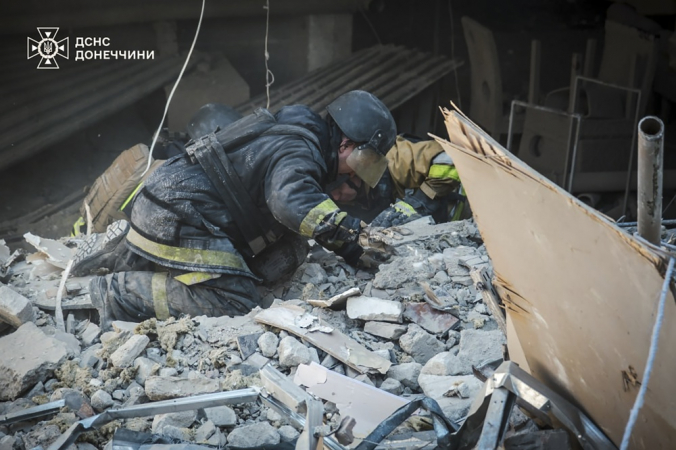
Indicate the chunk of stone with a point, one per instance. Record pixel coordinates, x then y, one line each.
90 334
89 357
101 400
392 386
478 348
444 364
164 388
15 309
254 435
292 352
221 416
182 434
168 372
287 433
27 356
42 436
268 343
207 433
72 343
385 330
406 373
372 308
145 367
454 394
129 351
181 419
421 345
9 443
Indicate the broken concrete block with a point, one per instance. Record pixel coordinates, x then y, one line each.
406 373
372 308
89 357
540 440
293 353
145 367
392 386
9 443
164 388
42 436
385 330
454 394
15 309
129 351
444 364
101 400
429 318
182 419
254 435
268 343
182 434
477 348
90 334
287 433
27 356
421 345
221 416
207 433
72 343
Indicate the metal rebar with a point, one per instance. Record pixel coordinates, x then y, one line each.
650 167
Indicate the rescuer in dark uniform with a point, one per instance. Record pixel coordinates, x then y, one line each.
237 209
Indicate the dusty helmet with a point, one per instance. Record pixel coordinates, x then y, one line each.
211 117
365 120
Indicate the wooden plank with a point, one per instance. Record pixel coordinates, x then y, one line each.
335 343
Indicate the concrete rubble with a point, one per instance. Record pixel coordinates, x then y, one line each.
187 356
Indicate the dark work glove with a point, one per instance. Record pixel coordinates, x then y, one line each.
397 214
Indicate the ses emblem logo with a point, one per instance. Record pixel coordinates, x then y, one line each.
48 48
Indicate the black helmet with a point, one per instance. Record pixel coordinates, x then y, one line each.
365 120
210 118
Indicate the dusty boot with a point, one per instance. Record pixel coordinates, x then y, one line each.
99 252
98 292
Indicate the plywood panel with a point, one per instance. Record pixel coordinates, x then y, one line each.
581 294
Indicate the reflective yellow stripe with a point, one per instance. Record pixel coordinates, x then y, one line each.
196 277
404 208
76 226
187 255
316 216
160 302
443 171
131 196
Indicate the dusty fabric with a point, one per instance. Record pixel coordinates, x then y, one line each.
284 174
133 296
409 163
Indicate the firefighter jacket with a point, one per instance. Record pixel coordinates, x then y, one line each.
179 220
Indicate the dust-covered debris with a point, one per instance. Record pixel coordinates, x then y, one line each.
388 339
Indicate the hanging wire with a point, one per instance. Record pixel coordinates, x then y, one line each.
455 70
269 76
640 398
171 94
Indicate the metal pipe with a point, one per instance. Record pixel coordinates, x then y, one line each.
650 167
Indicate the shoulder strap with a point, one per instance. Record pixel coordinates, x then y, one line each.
248 218
211 155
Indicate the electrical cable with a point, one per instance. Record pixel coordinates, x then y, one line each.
269 76
171 94
640 398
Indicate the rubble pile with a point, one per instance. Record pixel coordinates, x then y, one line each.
416 326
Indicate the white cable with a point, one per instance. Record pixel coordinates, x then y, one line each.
171 94
269 76
638 403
